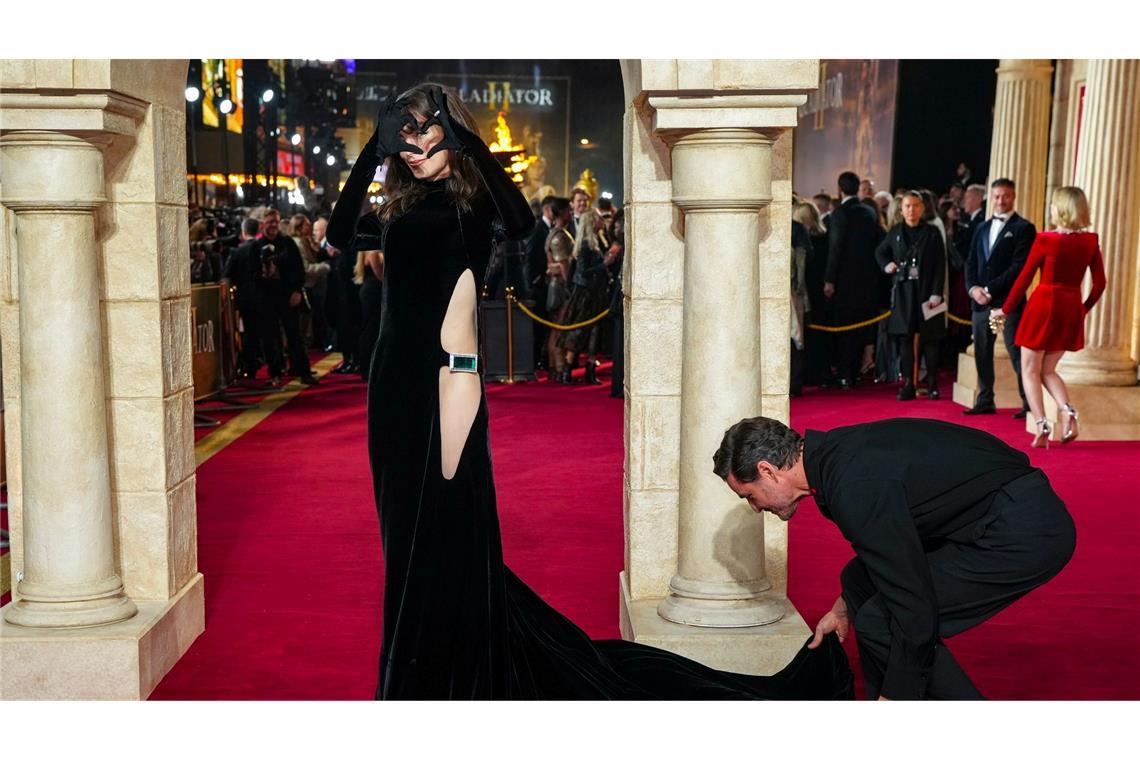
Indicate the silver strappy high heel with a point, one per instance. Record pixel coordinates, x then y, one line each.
1044 431
1073 429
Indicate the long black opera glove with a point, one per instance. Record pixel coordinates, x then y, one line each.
512 207
386 141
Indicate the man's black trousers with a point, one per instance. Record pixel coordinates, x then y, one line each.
984 355
274 314
1023 541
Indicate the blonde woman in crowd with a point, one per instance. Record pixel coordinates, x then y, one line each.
590 295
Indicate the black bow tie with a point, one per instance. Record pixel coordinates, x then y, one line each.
1000 217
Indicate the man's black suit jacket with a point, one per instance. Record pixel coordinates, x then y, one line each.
1000 269
897 489
536 255
852 237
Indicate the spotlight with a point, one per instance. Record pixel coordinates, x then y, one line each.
226 105
608 195
330 160
316 149
192 94
585 141
295 139
267 96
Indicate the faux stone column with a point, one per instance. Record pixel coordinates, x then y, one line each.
1108 170
1020 147
721 179
54 183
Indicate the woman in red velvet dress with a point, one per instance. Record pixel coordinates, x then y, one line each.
1054 318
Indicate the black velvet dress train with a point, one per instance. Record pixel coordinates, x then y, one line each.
458 624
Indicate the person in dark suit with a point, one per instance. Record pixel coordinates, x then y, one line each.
851 277
949 526
997 253
536 275
913 256
239 274
279 281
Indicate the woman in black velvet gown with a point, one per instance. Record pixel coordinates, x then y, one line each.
458 624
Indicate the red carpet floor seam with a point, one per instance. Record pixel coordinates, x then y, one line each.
289 544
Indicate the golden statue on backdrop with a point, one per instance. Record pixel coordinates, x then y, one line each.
588 182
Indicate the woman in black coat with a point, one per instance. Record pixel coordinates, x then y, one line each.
914 255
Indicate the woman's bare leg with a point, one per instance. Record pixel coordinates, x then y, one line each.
1031 379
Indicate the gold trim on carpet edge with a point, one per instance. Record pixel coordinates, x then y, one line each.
229 432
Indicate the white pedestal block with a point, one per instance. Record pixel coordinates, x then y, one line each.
1005 382
124 660
756 650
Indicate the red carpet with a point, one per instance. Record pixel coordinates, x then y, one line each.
289 545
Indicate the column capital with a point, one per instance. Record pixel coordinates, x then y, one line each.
722 169
79 113
52 171
1026 68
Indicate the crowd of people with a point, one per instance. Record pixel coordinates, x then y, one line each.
947 275
294 291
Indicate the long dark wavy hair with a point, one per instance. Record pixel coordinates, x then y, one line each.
402 189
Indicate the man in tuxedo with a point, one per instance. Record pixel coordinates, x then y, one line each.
997 253
822 203
851 278
579 204
949 526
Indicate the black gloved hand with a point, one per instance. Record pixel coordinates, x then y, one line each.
437 104
390 123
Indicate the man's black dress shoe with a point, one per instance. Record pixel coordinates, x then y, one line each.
906 393
845 384
309 379
933 394
1020 414
981 410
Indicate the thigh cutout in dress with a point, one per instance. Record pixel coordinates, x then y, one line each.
459 392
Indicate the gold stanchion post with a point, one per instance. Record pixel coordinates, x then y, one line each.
510 337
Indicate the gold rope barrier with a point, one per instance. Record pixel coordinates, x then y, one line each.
552 325
856 326
880 318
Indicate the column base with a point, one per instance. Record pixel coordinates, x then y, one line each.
123 660
757 650
1106 413
1005 382
85 614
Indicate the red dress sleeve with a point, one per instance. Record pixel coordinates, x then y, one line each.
1032 264
1099 282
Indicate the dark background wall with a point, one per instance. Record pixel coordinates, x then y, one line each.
945 115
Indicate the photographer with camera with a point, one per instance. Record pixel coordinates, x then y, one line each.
913 254
279 281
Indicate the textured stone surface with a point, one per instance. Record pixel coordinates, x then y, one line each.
129 234
144 530
655 231
173 252
138 445
661 430
651 531
183 533
133 344
177 360
655 347
178 414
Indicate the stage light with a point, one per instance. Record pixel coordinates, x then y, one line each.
608 195
192 94
316 150
226 105
585 141
295 139
267 96
330 160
